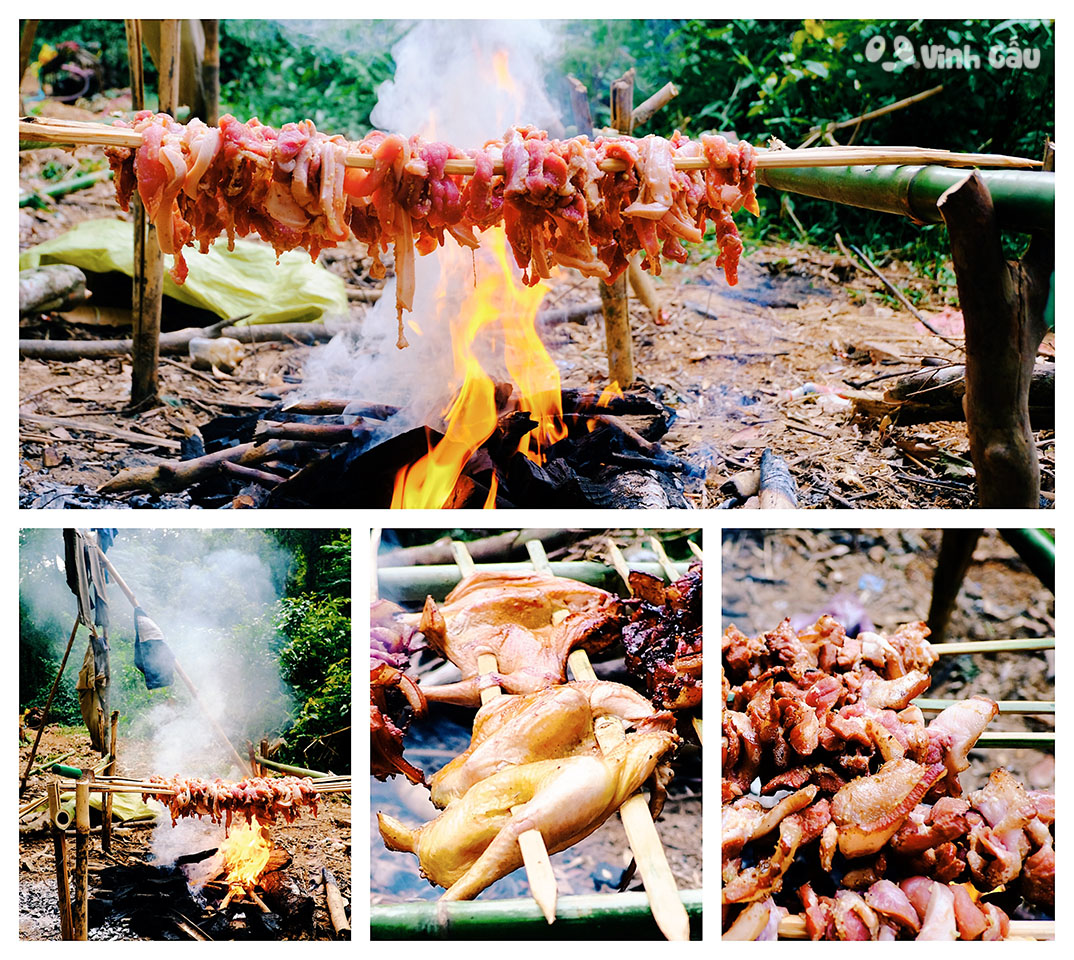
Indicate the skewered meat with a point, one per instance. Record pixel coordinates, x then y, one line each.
474 841
554 722
263 797
529 621
663 638
292 187
825 722
393 697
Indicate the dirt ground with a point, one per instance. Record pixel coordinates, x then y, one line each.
886 576
594 865
311 841
736 364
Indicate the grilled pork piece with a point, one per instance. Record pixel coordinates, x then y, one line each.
263 797
663 638
529 621
292 187
554 722
474 841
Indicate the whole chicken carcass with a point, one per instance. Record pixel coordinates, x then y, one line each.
530 622
474 842
554 722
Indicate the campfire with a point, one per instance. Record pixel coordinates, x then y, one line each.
246 853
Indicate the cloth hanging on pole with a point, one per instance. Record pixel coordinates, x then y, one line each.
90 702
151 654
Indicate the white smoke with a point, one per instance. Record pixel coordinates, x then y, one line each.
448 85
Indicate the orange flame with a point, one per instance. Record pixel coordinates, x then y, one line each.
607 395
246 853
500 307
500 301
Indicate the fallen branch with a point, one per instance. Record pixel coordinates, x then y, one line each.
55 286
173 476
337 908
178 341
571 314
777 487
128 435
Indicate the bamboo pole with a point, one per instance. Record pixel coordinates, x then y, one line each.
604 917
40 130
48 705
106 814
79 916
59 848
647 108
613 296
26 45
531 843
1024 200
415 583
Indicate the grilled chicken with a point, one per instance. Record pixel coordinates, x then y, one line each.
554 722
528 621
474 841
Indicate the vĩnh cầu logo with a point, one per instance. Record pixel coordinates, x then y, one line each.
937 56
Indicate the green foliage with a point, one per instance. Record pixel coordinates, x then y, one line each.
279 76
105 38
316 661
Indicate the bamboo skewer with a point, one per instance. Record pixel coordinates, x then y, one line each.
1005 706
794 928
160 790
656 875
77 132
542 880
661 554
994 646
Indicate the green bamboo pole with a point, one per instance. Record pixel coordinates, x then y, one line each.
35 197
1023 199
418 582
1037 550
612 916
287 768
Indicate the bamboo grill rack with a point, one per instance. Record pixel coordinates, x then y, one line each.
671 910
74 133
793 927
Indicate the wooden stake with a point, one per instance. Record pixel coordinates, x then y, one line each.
79 916
1003 306
531 844
110 771
59 846
613 296
210 71
48 705
26 45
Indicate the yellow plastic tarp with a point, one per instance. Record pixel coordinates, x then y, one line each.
246 280
125 806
